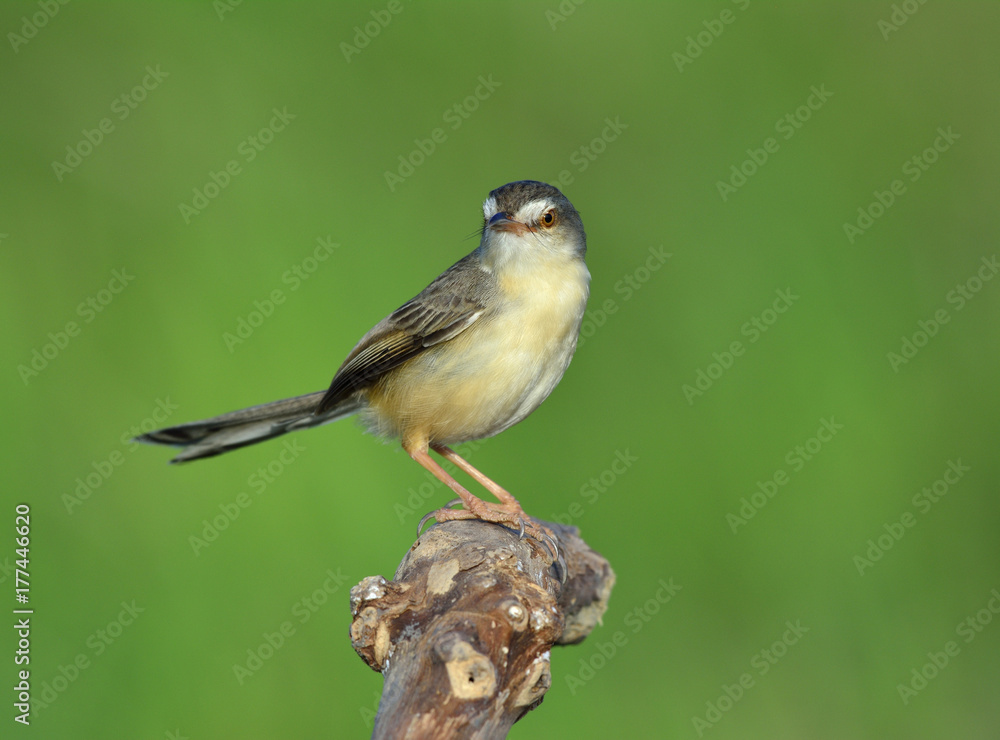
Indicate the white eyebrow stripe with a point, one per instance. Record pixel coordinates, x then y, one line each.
533 211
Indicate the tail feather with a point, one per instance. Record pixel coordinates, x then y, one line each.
248 426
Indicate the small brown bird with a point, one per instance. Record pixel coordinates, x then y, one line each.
473 354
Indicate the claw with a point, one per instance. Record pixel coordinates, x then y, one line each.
430 514
557 560
563 570
423 520
551 542
540 534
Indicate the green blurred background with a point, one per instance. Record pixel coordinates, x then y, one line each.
637 111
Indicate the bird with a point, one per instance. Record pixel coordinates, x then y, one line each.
471 355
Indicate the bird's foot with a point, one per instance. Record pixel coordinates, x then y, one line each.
503 514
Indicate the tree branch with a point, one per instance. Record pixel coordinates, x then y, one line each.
462 635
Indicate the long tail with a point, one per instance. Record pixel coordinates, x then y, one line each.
248 426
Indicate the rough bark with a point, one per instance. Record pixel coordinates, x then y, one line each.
462 634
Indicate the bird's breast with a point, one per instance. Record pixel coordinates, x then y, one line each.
497 371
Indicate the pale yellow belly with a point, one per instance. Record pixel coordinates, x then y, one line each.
486 379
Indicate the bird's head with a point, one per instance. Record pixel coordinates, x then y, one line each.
528 220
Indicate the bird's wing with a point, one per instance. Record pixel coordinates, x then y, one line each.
442 311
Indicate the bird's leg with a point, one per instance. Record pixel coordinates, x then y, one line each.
475 508
508 511
497 490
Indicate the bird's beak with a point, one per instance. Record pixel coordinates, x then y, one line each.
500 222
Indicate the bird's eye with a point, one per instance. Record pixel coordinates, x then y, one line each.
548 219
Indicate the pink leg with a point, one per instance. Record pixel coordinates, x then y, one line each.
475 508
501 493
508 511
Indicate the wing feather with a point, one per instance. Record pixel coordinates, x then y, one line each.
442 311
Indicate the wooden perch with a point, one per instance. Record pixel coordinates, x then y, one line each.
462 635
